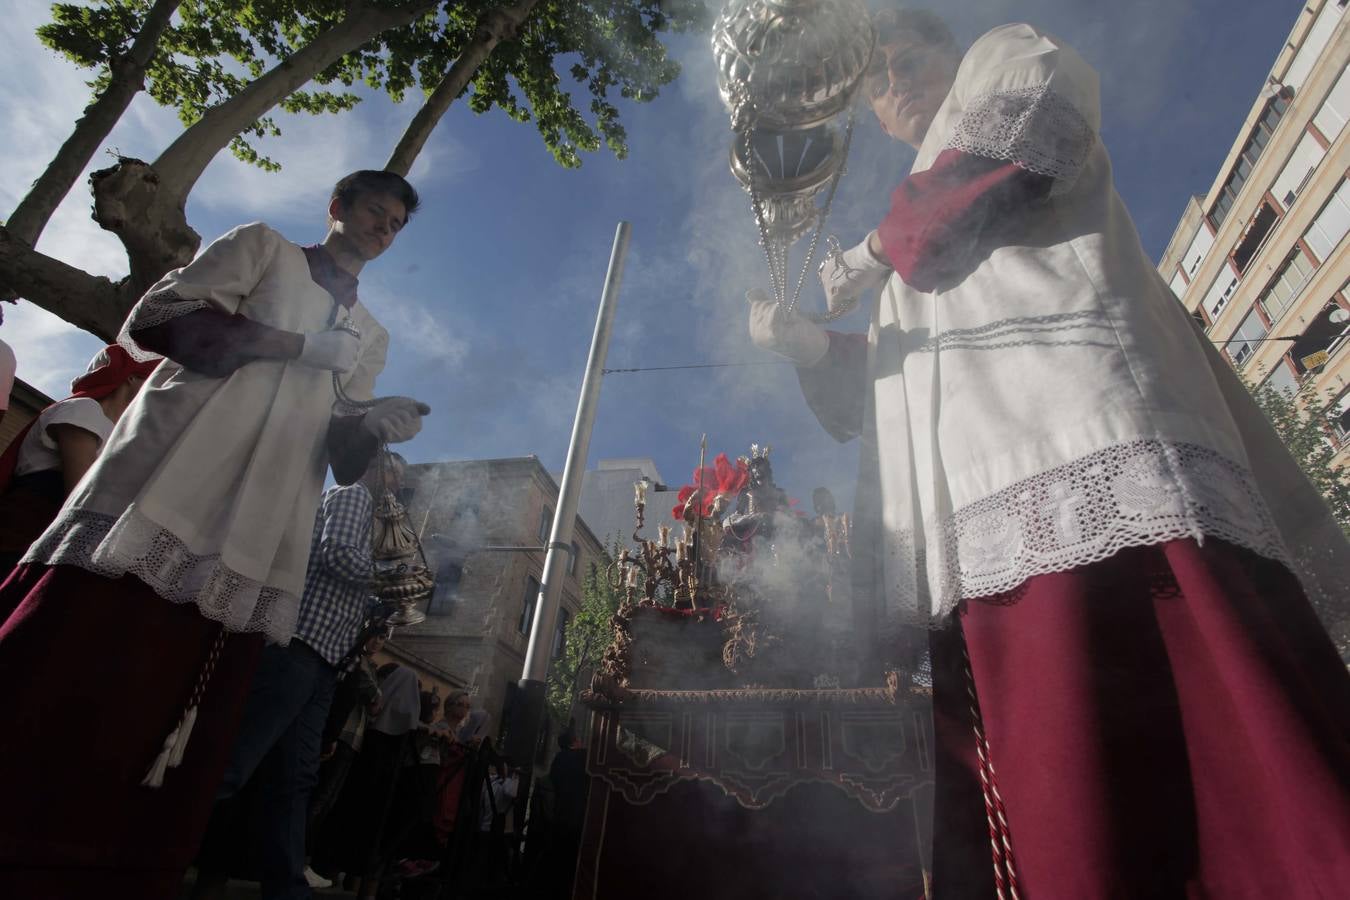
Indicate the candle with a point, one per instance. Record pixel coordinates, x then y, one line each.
664 532
632 576
640 493
680 549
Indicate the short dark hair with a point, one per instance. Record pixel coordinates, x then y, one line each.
375 181
928 25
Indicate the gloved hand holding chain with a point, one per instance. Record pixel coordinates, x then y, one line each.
848 274
391 419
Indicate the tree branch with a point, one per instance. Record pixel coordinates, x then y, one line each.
94 303
495 27
183 162
127 80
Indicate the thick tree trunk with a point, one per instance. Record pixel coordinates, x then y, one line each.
126 81
94 303
129 200
497 26
145 204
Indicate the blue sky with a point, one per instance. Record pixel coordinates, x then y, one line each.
490 294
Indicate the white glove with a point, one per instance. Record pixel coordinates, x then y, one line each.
395 419
785 333
848 274
335 350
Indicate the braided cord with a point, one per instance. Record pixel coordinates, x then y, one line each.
1000 835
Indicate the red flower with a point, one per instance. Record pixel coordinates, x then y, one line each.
719 479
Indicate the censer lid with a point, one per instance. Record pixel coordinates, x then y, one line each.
796 61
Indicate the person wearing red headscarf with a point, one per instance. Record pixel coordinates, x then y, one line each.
51 454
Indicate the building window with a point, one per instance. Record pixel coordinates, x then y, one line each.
1195 254
572 560
1246 161
1331 223
1319 341
1256 234
545 525
1287 284
1178 285
1282 379
446 589
1302 163
1248 333
1220 293
1340 417
527 607
560 634
1331 118
1288 281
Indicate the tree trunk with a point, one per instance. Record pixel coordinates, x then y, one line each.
129 200
145 204
94 303
495 27
127 79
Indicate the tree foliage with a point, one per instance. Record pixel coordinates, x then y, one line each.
1305 422
588 634
215 48
226 65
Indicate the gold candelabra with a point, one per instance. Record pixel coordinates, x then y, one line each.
659 568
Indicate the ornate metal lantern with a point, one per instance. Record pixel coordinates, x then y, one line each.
402 576
787 70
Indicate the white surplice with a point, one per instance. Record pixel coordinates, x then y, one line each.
207 488
1056 403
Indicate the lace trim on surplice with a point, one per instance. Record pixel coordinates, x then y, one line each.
1128 495
151 310
131 544
1033 128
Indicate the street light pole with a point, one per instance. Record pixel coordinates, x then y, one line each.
527 711
1261 340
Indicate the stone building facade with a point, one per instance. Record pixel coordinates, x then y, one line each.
484 524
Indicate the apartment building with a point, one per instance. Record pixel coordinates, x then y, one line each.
1260 259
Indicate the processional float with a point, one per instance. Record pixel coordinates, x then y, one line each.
733 709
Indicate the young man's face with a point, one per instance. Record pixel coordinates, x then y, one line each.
369 225
908 81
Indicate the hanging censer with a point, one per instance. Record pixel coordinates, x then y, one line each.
402 576
787 70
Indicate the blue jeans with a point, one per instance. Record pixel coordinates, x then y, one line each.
279 741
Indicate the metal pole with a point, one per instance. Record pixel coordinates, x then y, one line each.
527 714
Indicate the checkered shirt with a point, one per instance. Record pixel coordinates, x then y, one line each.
337 581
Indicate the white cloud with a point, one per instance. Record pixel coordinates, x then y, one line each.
49 351
414 329
314 151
